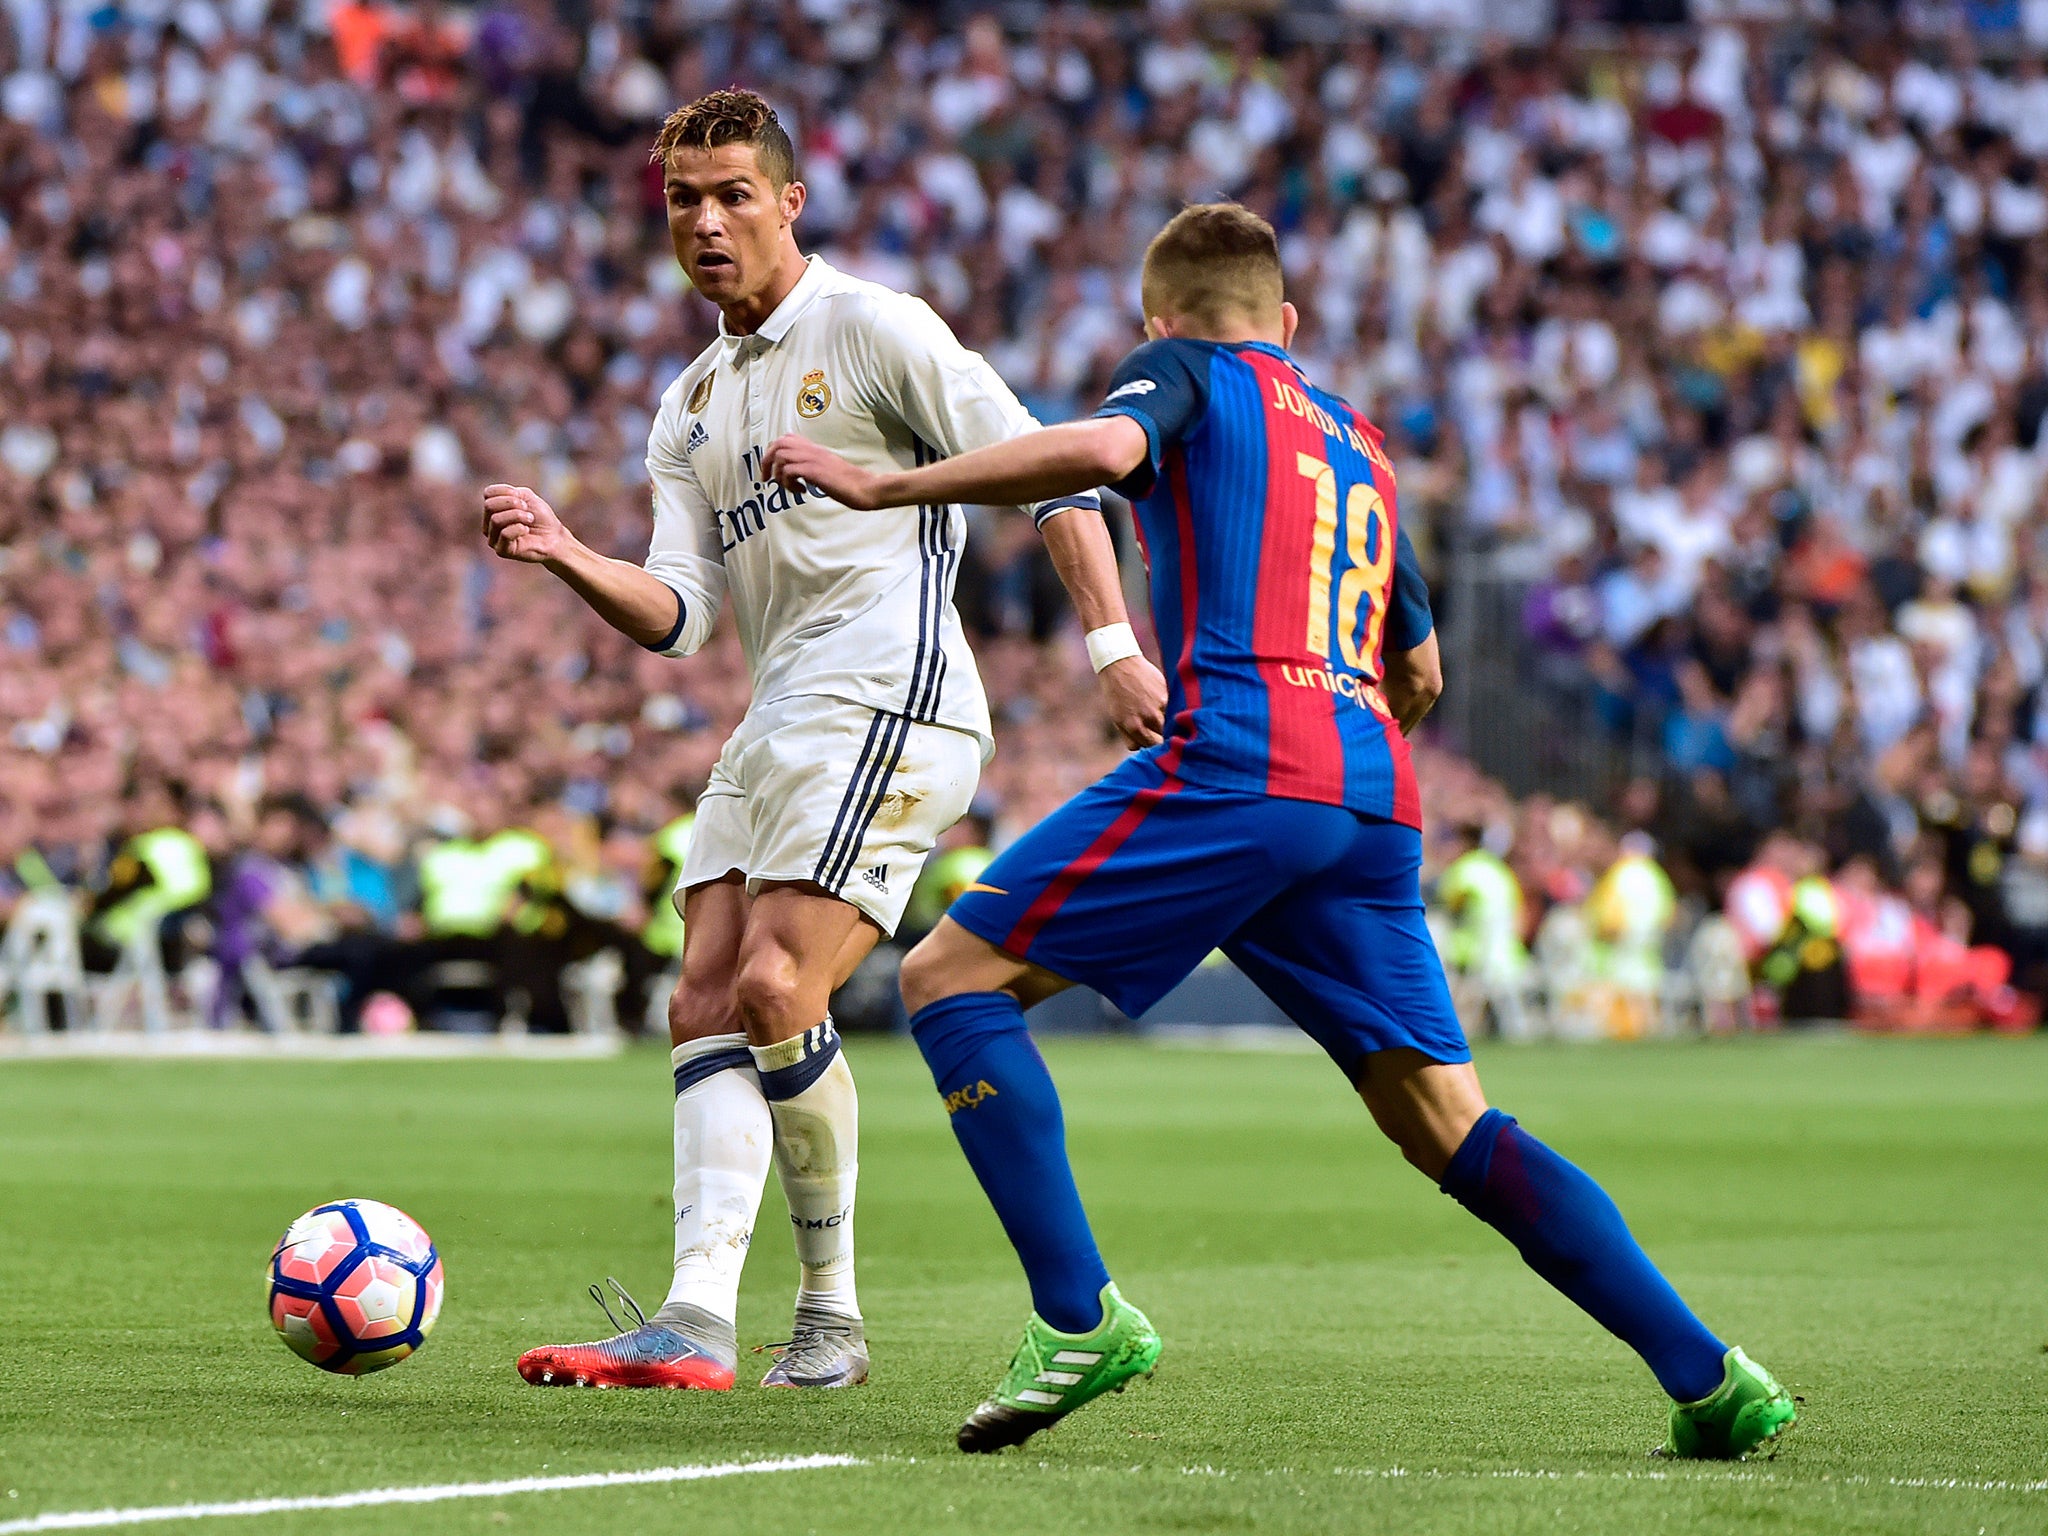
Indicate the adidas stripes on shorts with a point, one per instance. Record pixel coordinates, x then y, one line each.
843 796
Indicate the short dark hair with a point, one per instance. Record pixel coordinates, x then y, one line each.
730 116
1211 262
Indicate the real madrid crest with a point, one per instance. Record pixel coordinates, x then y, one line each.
701 395
813 394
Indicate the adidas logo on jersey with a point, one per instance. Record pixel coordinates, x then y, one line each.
878 877
697 439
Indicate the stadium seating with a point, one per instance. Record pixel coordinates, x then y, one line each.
1712 358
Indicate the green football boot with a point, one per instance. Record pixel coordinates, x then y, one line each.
1748 1408
1054 1373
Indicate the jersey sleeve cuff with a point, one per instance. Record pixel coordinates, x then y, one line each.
1152 451
666 644
1045 511
1409 623
1415 631
1139 482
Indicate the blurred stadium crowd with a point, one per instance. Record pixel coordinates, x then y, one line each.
1722 344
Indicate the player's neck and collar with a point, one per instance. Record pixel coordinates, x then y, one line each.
798 285
1238 334
1271 349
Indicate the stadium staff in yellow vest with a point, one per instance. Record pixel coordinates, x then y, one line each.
1484 900
467 886
1805 969
469 898
663 934
154 875
1630 910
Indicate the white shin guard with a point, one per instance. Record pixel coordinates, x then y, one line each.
810 1093
724 1140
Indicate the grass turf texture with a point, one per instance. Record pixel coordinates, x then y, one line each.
1869 1218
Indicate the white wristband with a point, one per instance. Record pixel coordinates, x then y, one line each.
1110 644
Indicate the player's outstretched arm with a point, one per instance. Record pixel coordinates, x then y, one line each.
1037 466
1021 471
519 525
1414 682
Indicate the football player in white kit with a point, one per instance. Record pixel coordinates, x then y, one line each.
864 740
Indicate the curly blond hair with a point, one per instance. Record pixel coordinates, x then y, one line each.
731 116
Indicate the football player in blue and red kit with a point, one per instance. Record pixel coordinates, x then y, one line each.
1277 821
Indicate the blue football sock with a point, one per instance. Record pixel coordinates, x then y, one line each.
1572 1235
1006 1114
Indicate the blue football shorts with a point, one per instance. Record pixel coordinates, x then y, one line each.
1129 885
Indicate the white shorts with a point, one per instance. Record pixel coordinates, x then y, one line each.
843 796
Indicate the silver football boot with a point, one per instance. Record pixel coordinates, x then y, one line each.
824 1350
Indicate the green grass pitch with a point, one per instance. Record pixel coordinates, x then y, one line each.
1346 1349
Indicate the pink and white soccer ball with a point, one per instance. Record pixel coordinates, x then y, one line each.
355 1285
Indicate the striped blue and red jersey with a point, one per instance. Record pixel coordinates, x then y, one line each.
1279 576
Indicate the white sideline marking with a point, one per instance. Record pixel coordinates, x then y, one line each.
1705 1474
1975 1485
433 1493
1701 1474
206 1044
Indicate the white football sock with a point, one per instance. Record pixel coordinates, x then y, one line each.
724 1139
810 1093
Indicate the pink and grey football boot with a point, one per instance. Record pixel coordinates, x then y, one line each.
680 1347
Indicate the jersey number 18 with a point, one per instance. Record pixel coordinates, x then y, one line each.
1362 594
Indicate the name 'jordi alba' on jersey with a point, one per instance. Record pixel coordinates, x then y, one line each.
829 600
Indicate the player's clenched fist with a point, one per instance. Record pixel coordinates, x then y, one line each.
796 463
520 526
1135 693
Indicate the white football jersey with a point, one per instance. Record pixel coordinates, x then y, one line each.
854 605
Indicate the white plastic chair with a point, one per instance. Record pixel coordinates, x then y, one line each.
39 961
293 1001
137 982
590 993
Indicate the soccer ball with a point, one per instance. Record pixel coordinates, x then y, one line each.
355 1285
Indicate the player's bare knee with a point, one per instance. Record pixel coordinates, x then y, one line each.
768 994
1424 1145
1425 1108
948 961
1398 1124
697 1009
923 976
